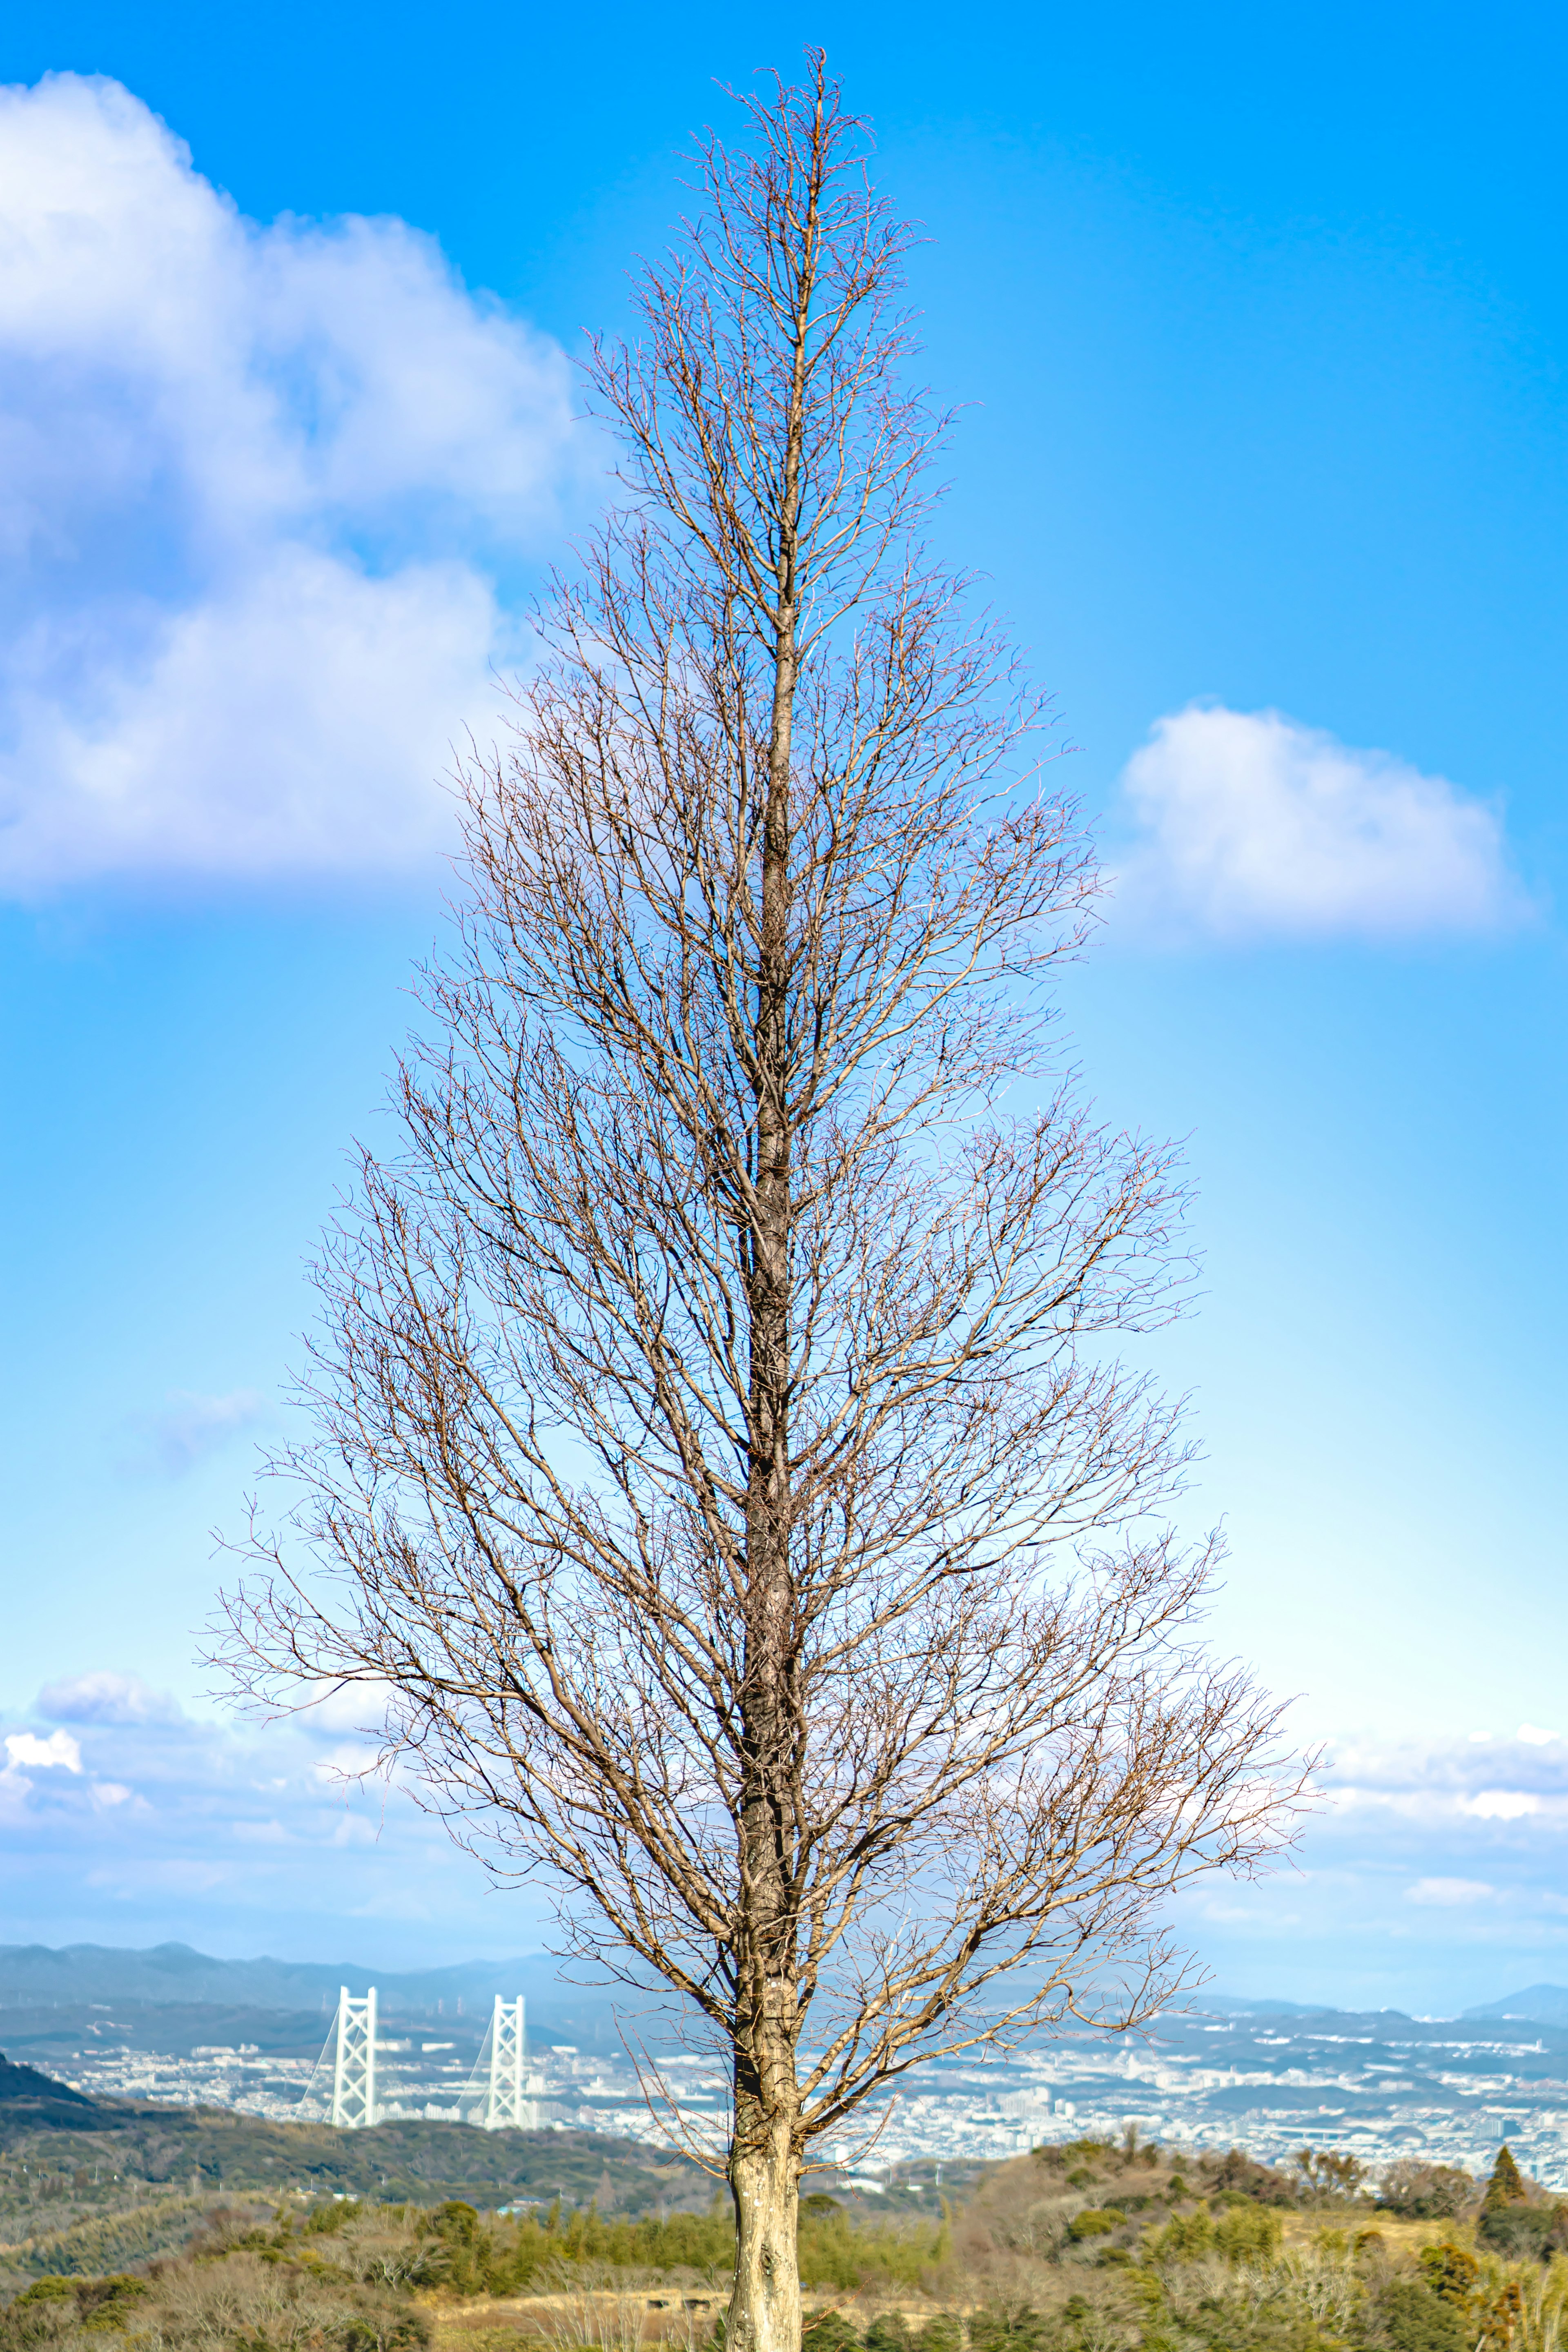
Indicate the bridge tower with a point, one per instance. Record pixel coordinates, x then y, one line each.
505 2107
353 2063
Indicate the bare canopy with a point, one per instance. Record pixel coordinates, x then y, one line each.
723 1476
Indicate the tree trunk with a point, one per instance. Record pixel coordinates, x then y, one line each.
765 2179
764 2161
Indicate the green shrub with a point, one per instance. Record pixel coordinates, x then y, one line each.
326 2220
458 2251
1450 2271
1413 2319
835 2251
827 2331
942 2334
1523 2232
1000 2328
1183 2238
1247 2233
1093 2224
99 2305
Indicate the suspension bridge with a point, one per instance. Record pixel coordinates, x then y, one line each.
347 2087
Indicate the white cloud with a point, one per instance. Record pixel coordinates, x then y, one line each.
192 1426
1503 1804
105 1697
1254 826
1434 1868
1469 1803
1533 1737
58 1752
265 474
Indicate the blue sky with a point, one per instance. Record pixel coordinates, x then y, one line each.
1259 323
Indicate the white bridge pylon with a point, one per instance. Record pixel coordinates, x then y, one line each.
353 2063
504 2108
496 2096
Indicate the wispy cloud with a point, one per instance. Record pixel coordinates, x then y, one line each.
106 1697
264 477
189 1428
1452 1782
1252 825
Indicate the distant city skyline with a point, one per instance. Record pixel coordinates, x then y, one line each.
1378 2086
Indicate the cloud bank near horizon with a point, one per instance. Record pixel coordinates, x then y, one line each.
269 474
126 1820
1251 825
1430 1880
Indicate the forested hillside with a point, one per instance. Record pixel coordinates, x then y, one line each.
65 2157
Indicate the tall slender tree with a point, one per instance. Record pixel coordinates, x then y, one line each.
723 1481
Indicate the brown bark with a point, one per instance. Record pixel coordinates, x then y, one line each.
765 2151
723 1480
764 2177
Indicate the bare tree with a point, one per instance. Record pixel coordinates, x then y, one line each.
723 1476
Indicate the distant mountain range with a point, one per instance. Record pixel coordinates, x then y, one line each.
1543 2004
34 1975
1540 2004
1222 2007
175 1975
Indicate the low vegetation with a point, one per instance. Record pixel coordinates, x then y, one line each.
1093 2247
